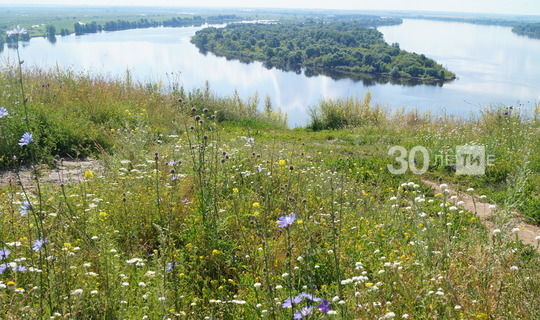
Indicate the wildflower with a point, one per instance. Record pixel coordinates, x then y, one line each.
26 139
24 208
257 284
309 297
470 189
389 315
76 292
492 206
495 231
19 290
3 267
289 302
256 205
304 312
3 113
514 230
4 253
170 266
285 221
17 31
88 175
103 214
93 292
250 140
324 307
514 268
38 244
457 307
282 162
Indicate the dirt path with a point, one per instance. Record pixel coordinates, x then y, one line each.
66 173
527 232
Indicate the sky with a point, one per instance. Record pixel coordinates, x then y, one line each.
531 7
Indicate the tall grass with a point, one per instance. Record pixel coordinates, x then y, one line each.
74 115
216 220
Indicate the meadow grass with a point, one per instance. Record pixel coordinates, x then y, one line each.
205 208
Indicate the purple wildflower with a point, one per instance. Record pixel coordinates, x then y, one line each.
324 307
3 112
38 244
4 253
285 221
309 297
288 303
17 31
24 208
172 163
3 267
304 312
170 266
20 268
26 139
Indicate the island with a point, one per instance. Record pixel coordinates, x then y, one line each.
338 49
531 30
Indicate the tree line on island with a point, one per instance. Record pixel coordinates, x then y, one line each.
336 49
531 30
118 25
80 28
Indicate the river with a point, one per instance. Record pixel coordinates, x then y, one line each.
494 67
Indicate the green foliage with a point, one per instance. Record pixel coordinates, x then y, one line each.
531 30
76 116
334 48
339 114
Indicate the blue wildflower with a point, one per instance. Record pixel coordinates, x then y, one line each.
3 112
4 253
3 268
26 139
25 208
170 266
309 297
38 244
17 31
304 312
20 268
324 307
288 303
285 221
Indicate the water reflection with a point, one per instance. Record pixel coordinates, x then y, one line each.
493 66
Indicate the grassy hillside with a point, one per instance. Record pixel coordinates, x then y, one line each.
204 207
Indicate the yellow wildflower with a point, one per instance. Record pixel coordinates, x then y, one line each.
88 174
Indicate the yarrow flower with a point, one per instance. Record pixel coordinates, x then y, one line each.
38 244
26 139
3 112
285 221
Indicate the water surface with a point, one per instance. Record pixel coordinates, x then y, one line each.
493 65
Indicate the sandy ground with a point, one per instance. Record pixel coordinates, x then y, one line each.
67 172
527 233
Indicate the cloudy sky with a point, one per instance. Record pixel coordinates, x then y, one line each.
485 6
